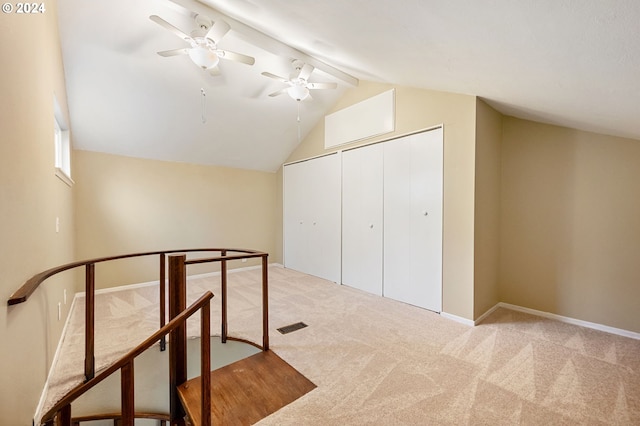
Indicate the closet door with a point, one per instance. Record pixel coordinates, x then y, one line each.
362 218
296 232
413 219
311 213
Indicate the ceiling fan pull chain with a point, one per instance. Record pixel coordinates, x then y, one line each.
298 103
204 105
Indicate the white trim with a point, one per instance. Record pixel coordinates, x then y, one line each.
457 319
556 317
152 283
43 395
486 314
62 175
568 320
312 158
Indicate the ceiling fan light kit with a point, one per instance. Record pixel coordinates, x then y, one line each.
203 57
298 92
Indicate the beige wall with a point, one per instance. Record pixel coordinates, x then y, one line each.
418 109
570 228
487 207
31 197
129 205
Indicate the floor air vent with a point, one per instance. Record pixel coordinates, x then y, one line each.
293 327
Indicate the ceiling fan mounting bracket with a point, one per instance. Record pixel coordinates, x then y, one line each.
297 64
203 22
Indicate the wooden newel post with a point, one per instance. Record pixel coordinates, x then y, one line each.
178 337
223 295
89 321
265 303
205 364
163 298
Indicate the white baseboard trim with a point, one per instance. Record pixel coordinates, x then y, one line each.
569 320
486 314
556 317
43 395
151 283
456 318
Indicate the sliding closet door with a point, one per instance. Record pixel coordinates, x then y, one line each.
413 219
362 218
312 217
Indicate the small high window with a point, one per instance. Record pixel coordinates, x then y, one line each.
62 145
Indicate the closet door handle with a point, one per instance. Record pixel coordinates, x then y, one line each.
426 213
371 226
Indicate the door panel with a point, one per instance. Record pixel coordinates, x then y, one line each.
311 217
362 216
413 220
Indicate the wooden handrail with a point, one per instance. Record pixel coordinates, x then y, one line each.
22 294
177 301
128 358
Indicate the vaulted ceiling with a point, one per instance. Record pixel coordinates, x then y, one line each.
571 63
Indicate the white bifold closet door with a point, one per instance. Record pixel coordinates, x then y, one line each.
362 224
311 216
412 270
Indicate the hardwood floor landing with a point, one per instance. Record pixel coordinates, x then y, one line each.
246 391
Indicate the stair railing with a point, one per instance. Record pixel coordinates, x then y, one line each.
177 305
62 410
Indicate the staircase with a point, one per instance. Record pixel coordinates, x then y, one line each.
240 393
246 391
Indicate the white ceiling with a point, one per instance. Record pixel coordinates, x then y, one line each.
566 62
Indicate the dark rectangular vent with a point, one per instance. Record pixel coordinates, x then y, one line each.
293 327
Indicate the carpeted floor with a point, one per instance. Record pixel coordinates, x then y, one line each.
377 361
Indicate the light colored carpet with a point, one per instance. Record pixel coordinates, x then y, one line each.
377 361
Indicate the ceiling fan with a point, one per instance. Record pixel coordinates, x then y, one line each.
203 50
298 84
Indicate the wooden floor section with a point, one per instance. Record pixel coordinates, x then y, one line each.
246 391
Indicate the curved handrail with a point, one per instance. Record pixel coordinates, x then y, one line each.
176 322
177 297
22 294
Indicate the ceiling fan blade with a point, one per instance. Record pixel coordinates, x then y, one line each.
237 57
215 71
322 85
218 30
305 72
158 20
275 77
174 52
279 92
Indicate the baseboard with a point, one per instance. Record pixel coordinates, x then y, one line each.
486 314
556 317
569 320
456 318
152 283
43 396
